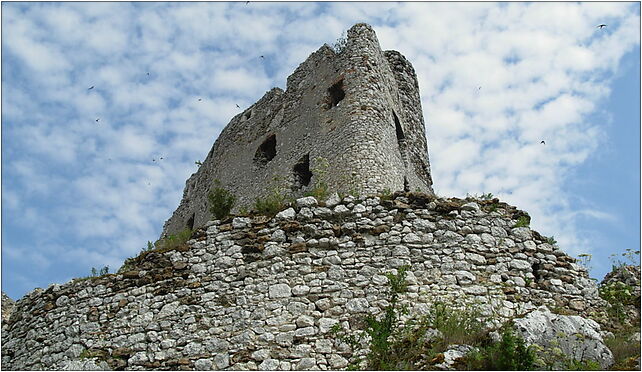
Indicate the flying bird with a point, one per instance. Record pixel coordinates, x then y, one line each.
161 158
262 57
148 74
97 120
543 142
199 100
153 159
601 26
90 88
237 106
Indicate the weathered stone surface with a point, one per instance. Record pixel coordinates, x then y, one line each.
269 365
7 306
266 293
280 291
85 365
287 214
577 337
308 201
349 108
452 355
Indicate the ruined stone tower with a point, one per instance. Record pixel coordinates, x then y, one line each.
356 109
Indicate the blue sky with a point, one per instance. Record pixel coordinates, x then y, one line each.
79 193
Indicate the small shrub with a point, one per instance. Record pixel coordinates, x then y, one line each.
625 350
551 240
522 222
632 258
174 240
584 259
493 207
319 191
509 354
99 272
457 326
382 353
385 194
221 201
587 365
488 196
619 295
270 205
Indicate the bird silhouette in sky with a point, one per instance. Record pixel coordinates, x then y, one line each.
237 106
601 26
90 88
262 57
148 74
161 158
153 159
199 100
543 142
97 120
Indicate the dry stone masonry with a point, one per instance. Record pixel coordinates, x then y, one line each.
356 109
258 293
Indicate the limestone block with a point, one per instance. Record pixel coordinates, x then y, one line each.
269 365
333 200
520 265
280 291
287 214
578 338
357 305
472 206
308 201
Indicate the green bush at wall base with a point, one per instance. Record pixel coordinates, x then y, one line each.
221 201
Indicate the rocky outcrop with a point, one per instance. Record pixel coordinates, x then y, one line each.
253 292
576 337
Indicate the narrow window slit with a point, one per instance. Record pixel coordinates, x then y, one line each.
400 136
302 173
190 222
336 93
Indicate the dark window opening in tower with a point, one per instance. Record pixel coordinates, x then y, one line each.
267 151
400 136
336 93
248 114
190 222
406 185
302 173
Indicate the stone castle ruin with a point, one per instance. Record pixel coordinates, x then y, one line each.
260 293
356 110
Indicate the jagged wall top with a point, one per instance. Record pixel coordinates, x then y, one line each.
356 109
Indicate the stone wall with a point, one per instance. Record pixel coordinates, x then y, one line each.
359 109
257 293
